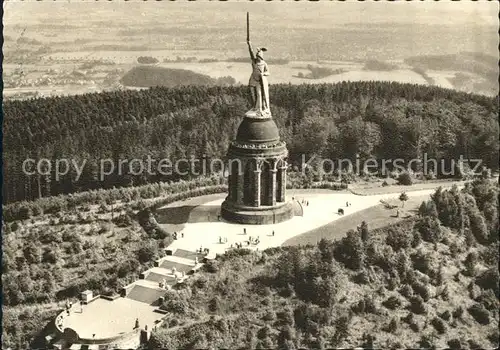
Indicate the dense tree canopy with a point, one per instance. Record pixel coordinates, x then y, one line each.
369 119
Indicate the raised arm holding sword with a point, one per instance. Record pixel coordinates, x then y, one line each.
259 86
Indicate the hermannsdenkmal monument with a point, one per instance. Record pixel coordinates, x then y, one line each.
257 157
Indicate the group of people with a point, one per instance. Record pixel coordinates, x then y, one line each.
69 305
251 241
175 235
209 216
163 284
59 322
302 201
222 239
203 250
255 241
136 326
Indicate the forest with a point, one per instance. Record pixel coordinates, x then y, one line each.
380 120
427 282
150 76
482 64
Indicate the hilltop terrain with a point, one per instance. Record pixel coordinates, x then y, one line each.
43 59
428 281
379 120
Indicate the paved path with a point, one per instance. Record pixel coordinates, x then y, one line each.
322 210
108 318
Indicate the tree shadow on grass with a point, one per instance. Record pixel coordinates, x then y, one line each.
188 214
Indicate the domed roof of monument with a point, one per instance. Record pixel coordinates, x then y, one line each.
256 130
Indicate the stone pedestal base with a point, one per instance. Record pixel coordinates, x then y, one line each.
262 215
258 114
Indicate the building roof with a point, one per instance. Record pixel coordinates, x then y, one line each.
257 130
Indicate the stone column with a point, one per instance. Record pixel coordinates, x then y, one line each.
272 188
256 193
230 186
282 183
240 184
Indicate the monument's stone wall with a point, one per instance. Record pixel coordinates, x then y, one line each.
257 217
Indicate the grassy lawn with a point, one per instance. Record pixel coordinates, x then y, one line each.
376 217
365 188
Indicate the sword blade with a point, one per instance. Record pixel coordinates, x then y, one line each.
248 26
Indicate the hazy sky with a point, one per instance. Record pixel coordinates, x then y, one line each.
317 14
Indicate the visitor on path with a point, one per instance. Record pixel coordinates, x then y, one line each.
273 233
307 203
397 213
182 234
244 231
81 306
346 204
136 323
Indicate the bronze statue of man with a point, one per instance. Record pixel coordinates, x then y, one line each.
259 87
